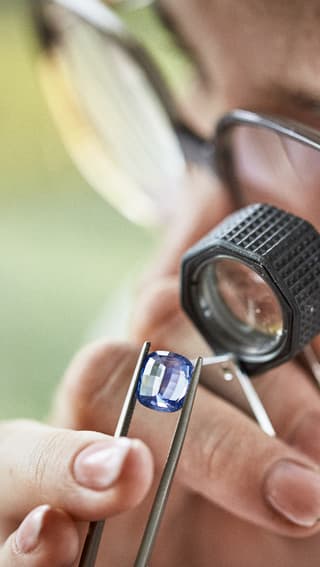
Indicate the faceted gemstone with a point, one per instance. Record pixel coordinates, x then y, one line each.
164 381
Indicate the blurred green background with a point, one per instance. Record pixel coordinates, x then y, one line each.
63 251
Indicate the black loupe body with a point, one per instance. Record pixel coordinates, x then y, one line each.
252 286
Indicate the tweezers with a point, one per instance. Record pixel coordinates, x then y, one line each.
230 369
92 542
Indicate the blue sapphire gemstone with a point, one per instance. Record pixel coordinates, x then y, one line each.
164 381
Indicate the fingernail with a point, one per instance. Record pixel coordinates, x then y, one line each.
294 491
28 534
99 465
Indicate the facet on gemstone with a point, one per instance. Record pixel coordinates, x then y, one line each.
164 381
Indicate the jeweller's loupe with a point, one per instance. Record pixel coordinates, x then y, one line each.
252 286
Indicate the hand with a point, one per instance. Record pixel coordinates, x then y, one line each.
53 481
240 497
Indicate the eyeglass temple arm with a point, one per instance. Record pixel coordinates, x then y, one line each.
195 149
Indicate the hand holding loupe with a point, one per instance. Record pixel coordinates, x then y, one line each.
252 288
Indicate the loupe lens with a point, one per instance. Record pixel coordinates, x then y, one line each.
242 304
252 286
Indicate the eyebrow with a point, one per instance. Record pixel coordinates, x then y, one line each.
304 99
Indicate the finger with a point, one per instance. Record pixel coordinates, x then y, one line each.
45 537
293 404
288 392
88 474
226 458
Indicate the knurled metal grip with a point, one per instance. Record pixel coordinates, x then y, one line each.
285 251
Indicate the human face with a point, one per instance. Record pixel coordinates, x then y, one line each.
260 56
256 54
257 79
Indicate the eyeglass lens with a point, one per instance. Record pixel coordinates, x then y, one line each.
269 167
273 168
120 118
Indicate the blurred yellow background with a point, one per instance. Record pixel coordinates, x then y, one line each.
63 251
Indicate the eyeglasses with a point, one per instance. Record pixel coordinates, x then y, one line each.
266 159
113 110
121 124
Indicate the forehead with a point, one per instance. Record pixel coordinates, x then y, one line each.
268 40
262 46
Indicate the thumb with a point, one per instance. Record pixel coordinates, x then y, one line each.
89 475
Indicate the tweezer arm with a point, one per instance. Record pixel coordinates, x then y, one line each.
162 494
229 370
91 546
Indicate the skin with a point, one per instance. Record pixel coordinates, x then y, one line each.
224 508
44 476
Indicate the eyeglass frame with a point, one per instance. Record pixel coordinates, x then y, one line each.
292 129
213 152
